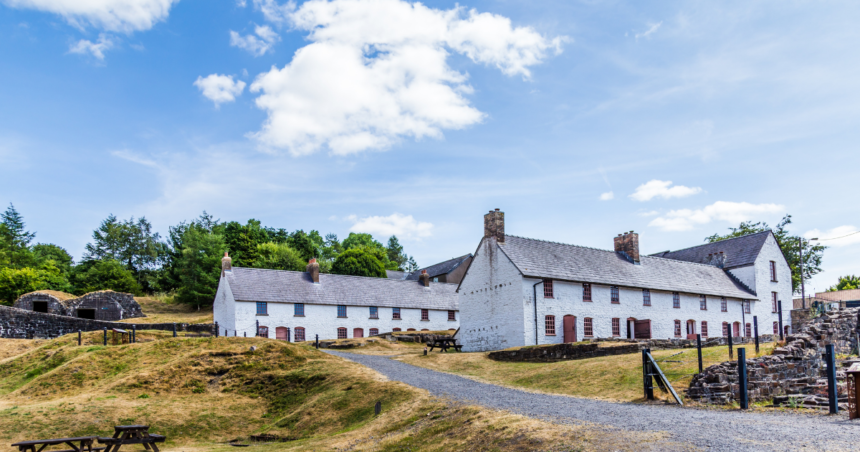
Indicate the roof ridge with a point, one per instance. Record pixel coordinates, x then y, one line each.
559 243
718 241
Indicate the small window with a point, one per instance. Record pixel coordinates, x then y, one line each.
374 331
395 314
341 311
425 314
773 271
586 292
748 330
677 328
774 298
676 300
775 328
704 329
341 333
547 288
646 297
395 329
588 327
299 309
724 305
614 297
549 323
262 308
725 329
300 334
374 312
452 315
703 302
747 307
263 331
410 329
616 327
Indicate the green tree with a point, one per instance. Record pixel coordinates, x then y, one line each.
846 283
789 244
309 245
366 242
242 241
358 262
278 256
15 282
132 243
199 266
107 274
404 262
44 252
14 239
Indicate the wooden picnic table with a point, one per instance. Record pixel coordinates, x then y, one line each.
131 434
445 344
86 443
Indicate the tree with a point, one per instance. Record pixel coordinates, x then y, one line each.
15 282
358 262
789 244
132 243
278 256
199 266
107 274
44 252
366 242
242 241
846 283
404 262
308 245
14 239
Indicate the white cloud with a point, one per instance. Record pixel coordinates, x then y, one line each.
220 88
649 31
256 45
649 213
134 158
659 188
275 12
111 15
607 196
732 212
96 49
836 237
403 226
376 71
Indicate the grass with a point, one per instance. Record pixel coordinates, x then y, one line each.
613 378
162 308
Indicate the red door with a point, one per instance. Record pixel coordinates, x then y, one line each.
736 329
642 329
569 329
358 332
282 333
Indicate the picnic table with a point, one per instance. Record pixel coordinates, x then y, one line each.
85 443
445 344
131 434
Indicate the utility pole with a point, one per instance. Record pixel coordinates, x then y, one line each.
802 287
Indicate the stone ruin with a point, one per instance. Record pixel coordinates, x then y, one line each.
794 373
104 305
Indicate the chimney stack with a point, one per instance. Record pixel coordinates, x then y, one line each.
226 264
313 269
424 278
628 243
494 225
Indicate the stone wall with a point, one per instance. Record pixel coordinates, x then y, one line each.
106 304
21 324
793 370
561 352
672 344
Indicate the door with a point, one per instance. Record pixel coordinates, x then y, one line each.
569 329
86 313
691 330
282 333
642 329
358 332
736 329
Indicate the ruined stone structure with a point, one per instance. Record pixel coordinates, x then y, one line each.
794 370
561 352
103 305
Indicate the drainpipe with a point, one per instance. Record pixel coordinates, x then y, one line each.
534 289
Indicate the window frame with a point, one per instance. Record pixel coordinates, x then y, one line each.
588 327
774 300
726 329
549 325
425 315
703 302
776 328
395 314
676 300
547 288
298 332
748 330
452 316
298 310
341 311
614 295
747 307
586 292
341 333
678 329
773 271
373 332
703 329
724 304
616 327
646 297
265 308
374 312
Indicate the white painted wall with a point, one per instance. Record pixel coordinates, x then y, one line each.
223 307
764 286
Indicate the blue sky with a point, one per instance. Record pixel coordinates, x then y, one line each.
580 120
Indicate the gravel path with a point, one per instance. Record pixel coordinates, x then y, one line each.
712 429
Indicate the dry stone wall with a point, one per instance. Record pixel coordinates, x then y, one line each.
562 352
104 305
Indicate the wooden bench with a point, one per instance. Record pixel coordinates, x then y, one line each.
131 434
86 444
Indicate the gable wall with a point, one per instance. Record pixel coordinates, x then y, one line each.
224 307
770 251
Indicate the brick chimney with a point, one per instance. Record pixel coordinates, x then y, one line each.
628 243
494 225
226 264
716 259
424 278
313 269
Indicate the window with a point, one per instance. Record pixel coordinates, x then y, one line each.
616 327
410 329
374 312
586 292
676 300
549 323
263 331
704 329
547 288
341 333
774 298
262 308
724 305
452 315
395 329
300 334
299 309
374 331
677 328
646 297
748 330
614 297
775 328
747 307
588 327
341 311
703 302
395 314
725 329
773 271
425 314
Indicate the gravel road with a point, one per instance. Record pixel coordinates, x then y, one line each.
708 429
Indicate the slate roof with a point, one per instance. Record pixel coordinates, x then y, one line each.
537 258
442 268
394 274
281 286
739 251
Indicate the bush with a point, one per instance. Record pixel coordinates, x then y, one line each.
95 275
15 282
358 262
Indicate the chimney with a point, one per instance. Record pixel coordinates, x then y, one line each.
226 264
628 243
424 278
717 259
313 269
494 225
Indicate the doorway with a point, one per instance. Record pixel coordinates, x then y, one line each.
282 333
357 332
569 329
40 306
642 329
86 314
736 329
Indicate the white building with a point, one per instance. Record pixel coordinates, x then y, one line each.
520 291
298 306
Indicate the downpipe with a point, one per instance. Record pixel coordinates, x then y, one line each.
534 290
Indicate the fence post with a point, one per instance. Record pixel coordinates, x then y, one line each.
245 333
174 329
731 351
257 333
217 330
781 331
755 329
105 339
288 334
79 338
699 348
742 378
646 374
317 342
133 334
832 394
235 333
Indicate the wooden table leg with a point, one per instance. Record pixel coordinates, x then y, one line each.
72 445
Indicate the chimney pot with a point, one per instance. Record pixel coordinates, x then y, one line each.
313 270
226 264
494 225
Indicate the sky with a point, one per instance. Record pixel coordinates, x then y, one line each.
579 119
